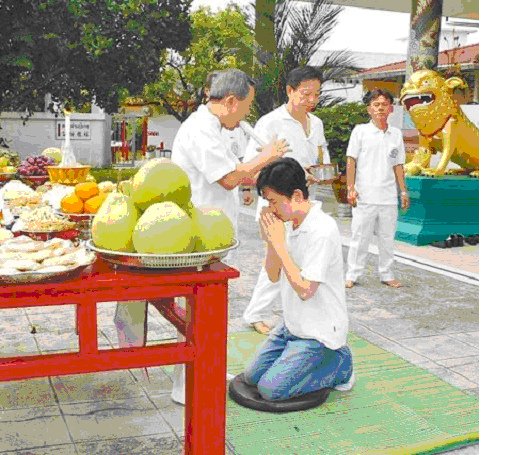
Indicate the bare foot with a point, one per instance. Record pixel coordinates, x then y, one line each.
261 327
393 283
349 284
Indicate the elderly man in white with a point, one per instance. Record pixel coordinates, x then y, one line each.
214 172
304 132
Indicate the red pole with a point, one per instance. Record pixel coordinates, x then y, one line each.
144 146
124 144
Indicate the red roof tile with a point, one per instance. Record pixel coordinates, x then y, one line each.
463 54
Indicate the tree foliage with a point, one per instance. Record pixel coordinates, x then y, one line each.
339 121
219 40
80 50
300 30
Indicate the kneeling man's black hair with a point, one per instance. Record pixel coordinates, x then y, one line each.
284 176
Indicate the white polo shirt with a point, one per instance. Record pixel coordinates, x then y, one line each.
304 148
201 151
236 141
376 153
315 246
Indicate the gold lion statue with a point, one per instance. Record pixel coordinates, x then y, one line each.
442 125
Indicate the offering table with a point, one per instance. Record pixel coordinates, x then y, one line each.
203 352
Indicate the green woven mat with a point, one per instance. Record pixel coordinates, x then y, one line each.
394 408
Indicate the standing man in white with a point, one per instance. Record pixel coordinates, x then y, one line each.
375 159
214 172
304 132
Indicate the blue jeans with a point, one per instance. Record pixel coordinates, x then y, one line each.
287 366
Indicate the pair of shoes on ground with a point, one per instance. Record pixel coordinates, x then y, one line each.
453 240
261 327
349 284
472 239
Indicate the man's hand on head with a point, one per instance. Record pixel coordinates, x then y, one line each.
276 147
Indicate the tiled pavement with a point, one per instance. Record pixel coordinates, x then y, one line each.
432 322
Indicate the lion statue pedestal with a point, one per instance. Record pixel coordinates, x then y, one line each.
439 207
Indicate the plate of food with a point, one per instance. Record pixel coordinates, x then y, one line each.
25 260
43 224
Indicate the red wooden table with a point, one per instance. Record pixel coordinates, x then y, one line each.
203 352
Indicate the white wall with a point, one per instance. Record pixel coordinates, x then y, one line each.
40 132
162 129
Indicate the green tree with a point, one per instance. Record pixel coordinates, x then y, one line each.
339 121
300 29
84 50
219 40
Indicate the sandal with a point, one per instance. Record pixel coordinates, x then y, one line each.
443 243
261 327
472 239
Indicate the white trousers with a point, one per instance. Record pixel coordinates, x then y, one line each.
131 322
266 295
368 219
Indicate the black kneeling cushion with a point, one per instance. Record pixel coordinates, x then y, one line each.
248 396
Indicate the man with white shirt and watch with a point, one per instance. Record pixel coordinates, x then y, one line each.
304 132
375 159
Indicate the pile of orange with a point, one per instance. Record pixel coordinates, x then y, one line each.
87 198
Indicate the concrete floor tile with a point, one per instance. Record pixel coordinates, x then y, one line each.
53 310
16 319
469 371
172 412
27 393
458 361
35 427
17 344
110 385
48 342
470 450
163 444
439 347
60 449
453 378
399 328
373 313
158 382
392 346
57 322
471 338
113 419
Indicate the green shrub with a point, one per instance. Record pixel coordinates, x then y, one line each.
102 174
339 121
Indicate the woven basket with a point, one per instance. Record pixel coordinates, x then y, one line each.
68 175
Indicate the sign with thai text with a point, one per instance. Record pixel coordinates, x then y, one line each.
79 130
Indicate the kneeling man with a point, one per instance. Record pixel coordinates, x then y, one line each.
308 351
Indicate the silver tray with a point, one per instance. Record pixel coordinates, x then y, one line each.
161 261
37 277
